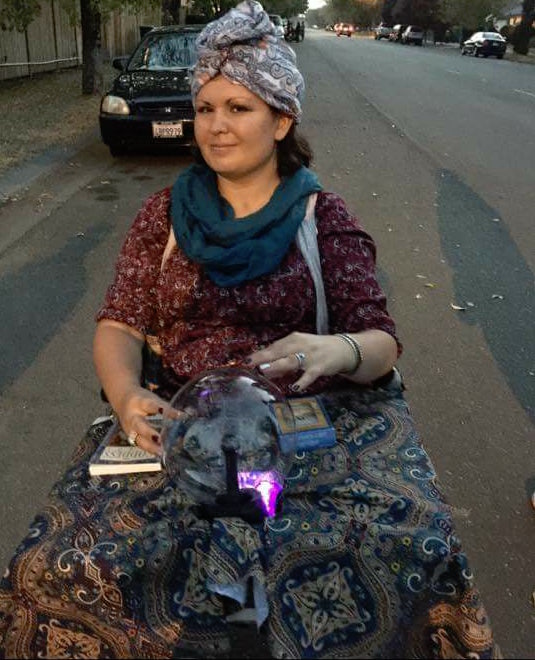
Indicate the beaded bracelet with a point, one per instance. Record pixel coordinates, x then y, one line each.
357 350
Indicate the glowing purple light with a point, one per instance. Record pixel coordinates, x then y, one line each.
265 483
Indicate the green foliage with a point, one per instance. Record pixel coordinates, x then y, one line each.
18 14
213 8
419 12
363 13
471 14
432 13
106 7
285 8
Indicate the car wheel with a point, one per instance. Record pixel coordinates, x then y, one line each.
463 52
476 52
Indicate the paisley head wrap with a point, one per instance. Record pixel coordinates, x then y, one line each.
243 47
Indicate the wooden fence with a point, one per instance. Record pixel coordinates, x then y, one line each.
51 41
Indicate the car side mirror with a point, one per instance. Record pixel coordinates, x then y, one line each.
119 63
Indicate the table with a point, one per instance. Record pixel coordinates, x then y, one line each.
362 561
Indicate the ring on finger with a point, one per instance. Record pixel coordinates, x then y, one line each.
300 357
133 438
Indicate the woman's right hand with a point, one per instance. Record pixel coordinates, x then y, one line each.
117 354
136 405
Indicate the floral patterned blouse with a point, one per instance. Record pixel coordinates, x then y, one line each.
202 326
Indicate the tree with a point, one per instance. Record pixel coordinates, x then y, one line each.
18 14
386 14
524 31
92 13
471 14
211 9
367 13
285 8
414 12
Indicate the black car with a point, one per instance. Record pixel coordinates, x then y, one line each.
149 103
485 43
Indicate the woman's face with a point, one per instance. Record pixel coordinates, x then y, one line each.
236 130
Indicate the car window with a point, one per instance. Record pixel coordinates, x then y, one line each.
275 19
166 51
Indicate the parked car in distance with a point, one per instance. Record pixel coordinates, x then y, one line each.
279 26
344 29
485 43
397 31
412 34
382 32
149 103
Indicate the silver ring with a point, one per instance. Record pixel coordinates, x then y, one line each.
301 357
132 438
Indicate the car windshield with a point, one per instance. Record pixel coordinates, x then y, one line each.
491 35
165 51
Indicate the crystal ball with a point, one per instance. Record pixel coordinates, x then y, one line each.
221 443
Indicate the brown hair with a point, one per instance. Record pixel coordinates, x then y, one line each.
293 151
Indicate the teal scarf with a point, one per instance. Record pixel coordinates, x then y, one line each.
234 251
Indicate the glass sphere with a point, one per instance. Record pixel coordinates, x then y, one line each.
221 443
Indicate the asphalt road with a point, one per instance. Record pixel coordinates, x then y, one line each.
431 150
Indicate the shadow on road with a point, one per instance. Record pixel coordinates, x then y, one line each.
492 281
29 321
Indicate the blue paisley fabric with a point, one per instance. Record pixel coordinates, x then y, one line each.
243 47
361 562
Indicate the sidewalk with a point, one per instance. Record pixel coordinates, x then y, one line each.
43 118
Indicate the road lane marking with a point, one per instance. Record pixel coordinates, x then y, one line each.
523 91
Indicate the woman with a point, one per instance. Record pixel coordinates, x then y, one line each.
249 194
363 561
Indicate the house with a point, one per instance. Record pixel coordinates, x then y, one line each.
511 16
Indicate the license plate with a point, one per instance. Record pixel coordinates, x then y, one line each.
167 129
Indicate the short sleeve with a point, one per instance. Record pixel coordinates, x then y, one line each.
131 297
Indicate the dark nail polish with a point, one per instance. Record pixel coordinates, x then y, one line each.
155 438
160 410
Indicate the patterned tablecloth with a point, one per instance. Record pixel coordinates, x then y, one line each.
362 561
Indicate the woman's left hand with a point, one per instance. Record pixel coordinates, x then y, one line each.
309 356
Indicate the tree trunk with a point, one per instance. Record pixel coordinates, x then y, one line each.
524 30
90 15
